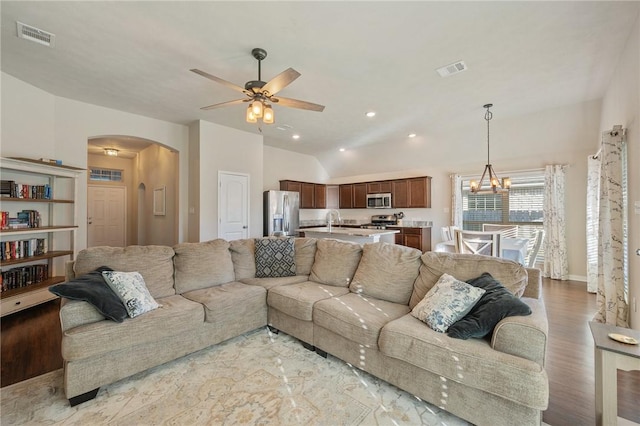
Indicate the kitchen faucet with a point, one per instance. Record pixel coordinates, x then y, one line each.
330 214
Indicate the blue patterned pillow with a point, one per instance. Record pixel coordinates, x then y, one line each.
275 257
446 302
131 289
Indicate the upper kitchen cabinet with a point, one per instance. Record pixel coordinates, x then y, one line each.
359 195
379 187
312 195
411 193
400 194
346 196
353 196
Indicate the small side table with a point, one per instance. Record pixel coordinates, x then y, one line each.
610 356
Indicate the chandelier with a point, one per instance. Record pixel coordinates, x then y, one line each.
496 184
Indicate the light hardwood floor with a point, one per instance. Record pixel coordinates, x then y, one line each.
570 364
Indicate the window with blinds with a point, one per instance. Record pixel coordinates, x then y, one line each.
105 175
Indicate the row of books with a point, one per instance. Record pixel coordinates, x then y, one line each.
23 219
22 190
23 276
23 248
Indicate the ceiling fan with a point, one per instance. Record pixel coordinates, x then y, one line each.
261 94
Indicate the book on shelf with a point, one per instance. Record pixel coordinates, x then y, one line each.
24 276
19 249
10 188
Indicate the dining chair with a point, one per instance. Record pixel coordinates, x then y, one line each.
446 233
535 249
478 242
507 231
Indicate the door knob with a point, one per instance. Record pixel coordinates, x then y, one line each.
245 227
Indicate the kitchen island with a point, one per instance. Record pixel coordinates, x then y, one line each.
357 235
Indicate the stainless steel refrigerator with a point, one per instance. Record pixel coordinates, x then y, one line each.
281 213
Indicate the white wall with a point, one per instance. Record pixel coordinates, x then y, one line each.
621 105
280 164
37 124
228 150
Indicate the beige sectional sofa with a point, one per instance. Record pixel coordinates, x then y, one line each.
351 301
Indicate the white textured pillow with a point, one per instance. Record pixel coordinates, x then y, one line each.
132 290
447 302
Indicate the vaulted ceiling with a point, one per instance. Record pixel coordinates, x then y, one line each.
353 56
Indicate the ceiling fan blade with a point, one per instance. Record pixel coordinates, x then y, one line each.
294 103
223 104
280 81
221 81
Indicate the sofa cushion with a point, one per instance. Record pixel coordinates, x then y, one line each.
297 300
357 318
466 266
154 263
335 262
495 304
305 255
131 289
201 265
447 302
275 257
92 288
230 300
387 272
243 258
470 362
176 316
274 282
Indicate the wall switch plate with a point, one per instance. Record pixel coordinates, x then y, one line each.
636 207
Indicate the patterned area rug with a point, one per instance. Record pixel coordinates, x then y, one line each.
255 379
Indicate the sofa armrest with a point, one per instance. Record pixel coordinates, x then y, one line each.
74 313
534 284
524 336
69 273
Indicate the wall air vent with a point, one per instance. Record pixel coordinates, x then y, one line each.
451 69
34 34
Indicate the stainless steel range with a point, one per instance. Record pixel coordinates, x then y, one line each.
381 221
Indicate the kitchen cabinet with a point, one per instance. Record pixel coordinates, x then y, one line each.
400 194
383 187
353 196
418 238
411 193
346 196
312 195
34 256
359 195
320 196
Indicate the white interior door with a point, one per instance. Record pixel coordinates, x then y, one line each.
233 206
106 216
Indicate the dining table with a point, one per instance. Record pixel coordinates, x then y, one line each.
511 248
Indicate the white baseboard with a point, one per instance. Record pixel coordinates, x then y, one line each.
582 278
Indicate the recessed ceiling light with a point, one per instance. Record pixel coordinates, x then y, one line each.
371 114
296 137
342 149
412 135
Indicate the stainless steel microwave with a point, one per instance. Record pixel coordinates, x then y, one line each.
379 201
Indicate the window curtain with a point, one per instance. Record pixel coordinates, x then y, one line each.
593 196
456 201
555 243
613 280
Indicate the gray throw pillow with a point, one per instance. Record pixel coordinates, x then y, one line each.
92 288
495 304
275 257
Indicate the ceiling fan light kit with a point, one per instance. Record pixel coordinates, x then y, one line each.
260 93
496 184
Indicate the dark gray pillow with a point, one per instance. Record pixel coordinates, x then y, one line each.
92 288
275 257
495 304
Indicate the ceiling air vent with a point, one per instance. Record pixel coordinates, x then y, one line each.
34 34
451 69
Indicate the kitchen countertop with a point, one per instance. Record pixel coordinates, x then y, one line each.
351 222
350 231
